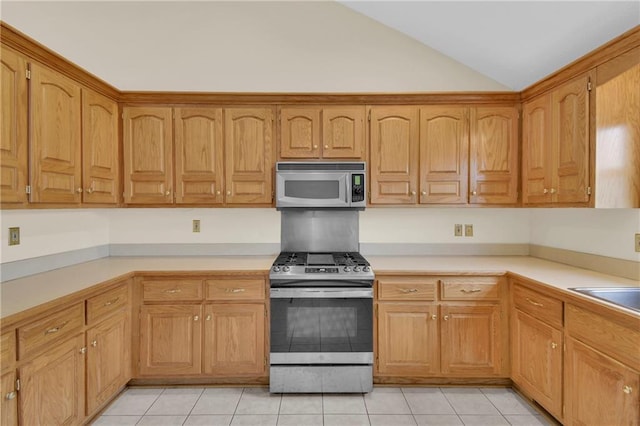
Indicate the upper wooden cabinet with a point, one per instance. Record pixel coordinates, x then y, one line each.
322 132
100 160
13 139
555 141
493 164
55 137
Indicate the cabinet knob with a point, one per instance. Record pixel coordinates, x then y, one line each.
315 147
228 192
554 345
196 317
79 190
11 395
217 192
474 192
627 390
545 191
94 343
208 318
424 192
326 147
89 190
167 193
434 317
83 350
446 317
413 192
553 190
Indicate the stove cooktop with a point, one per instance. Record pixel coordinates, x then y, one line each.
305 265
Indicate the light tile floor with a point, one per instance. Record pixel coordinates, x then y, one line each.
385 406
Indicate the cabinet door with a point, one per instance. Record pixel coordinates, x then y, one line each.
234 339
9 402
148 155
598 389
536 361
537 148
343 132
299 132
394 155
108 360
170 340
471 340
52 386
199 156
407 339
55 138
249 155
444 155
493 161
571 141
100 162
13 136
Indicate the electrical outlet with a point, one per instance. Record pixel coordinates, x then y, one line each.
196 225
638 243
457 230
14 236
468 230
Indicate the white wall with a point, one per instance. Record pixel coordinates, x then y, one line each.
607 232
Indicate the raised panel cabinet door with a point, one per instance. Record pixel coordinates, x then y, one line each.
9 403
537 148
299 132
249 155
394 155
407 339
493 164
170 340
536 361
148 155
471 340
444 155
13 128
52 387
598 389
571 141
108 360
199 156
56 161
234 339
343 132
100 160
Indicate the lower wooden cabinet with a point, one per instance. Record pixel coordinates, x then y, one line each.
52 387
9 401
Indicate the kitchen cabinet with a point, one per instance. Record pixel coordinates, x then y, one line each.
537 344
55 132
8 388
555 144
329 132
13 140
100 141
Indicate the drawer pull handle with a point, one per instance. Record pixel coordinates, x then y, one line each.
446 317
434 317
234 290
112 301
94 343
534 303
409 290
55 329
554 345
11 395
473 290
627 390
173 291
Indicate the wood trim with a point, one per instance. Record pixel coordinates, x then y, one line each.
600 55
22 43
617 66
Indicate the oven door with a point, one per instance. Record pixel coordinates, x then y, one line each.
321 325
312 189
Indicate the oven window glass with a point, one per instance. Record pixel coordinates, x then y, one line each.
321 325
313 189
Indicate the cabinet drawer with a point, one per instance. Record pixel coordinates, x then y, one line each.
470 288
52 328
171 290
103 305
544 308
407 288
8 350
249 289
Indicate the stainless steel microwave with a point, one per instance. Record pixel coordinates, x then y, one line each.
321 185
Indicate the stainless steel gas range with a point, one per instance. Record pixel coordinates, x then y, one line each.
321 292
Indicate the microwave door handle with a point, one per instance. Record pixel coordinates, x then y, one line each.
347 196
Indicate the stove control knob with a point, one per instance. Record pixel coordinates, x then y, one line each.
356 269
276 269
347 269
366 269
286 268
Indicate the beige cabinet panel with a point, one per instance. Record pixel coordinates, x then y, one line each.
343 133
100 160
148 155
393 165
13 137
199 156
56 161
300 132
444 154
537 150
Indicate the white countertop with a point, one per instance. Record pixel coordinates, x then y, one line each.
28 292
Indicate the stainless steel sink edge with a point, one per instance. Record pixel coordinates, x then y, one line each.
625 297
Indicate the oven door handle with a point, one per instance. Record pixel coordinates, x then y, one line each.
322 293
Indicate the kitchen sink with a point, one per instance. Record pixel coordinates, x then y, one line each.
627 297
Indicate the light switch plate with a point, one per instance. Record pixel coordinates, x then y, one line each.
468 230
457 230
196 225
14 236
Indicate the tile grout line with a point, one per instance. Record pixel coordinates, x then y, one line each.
194 406
151 405
413 416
